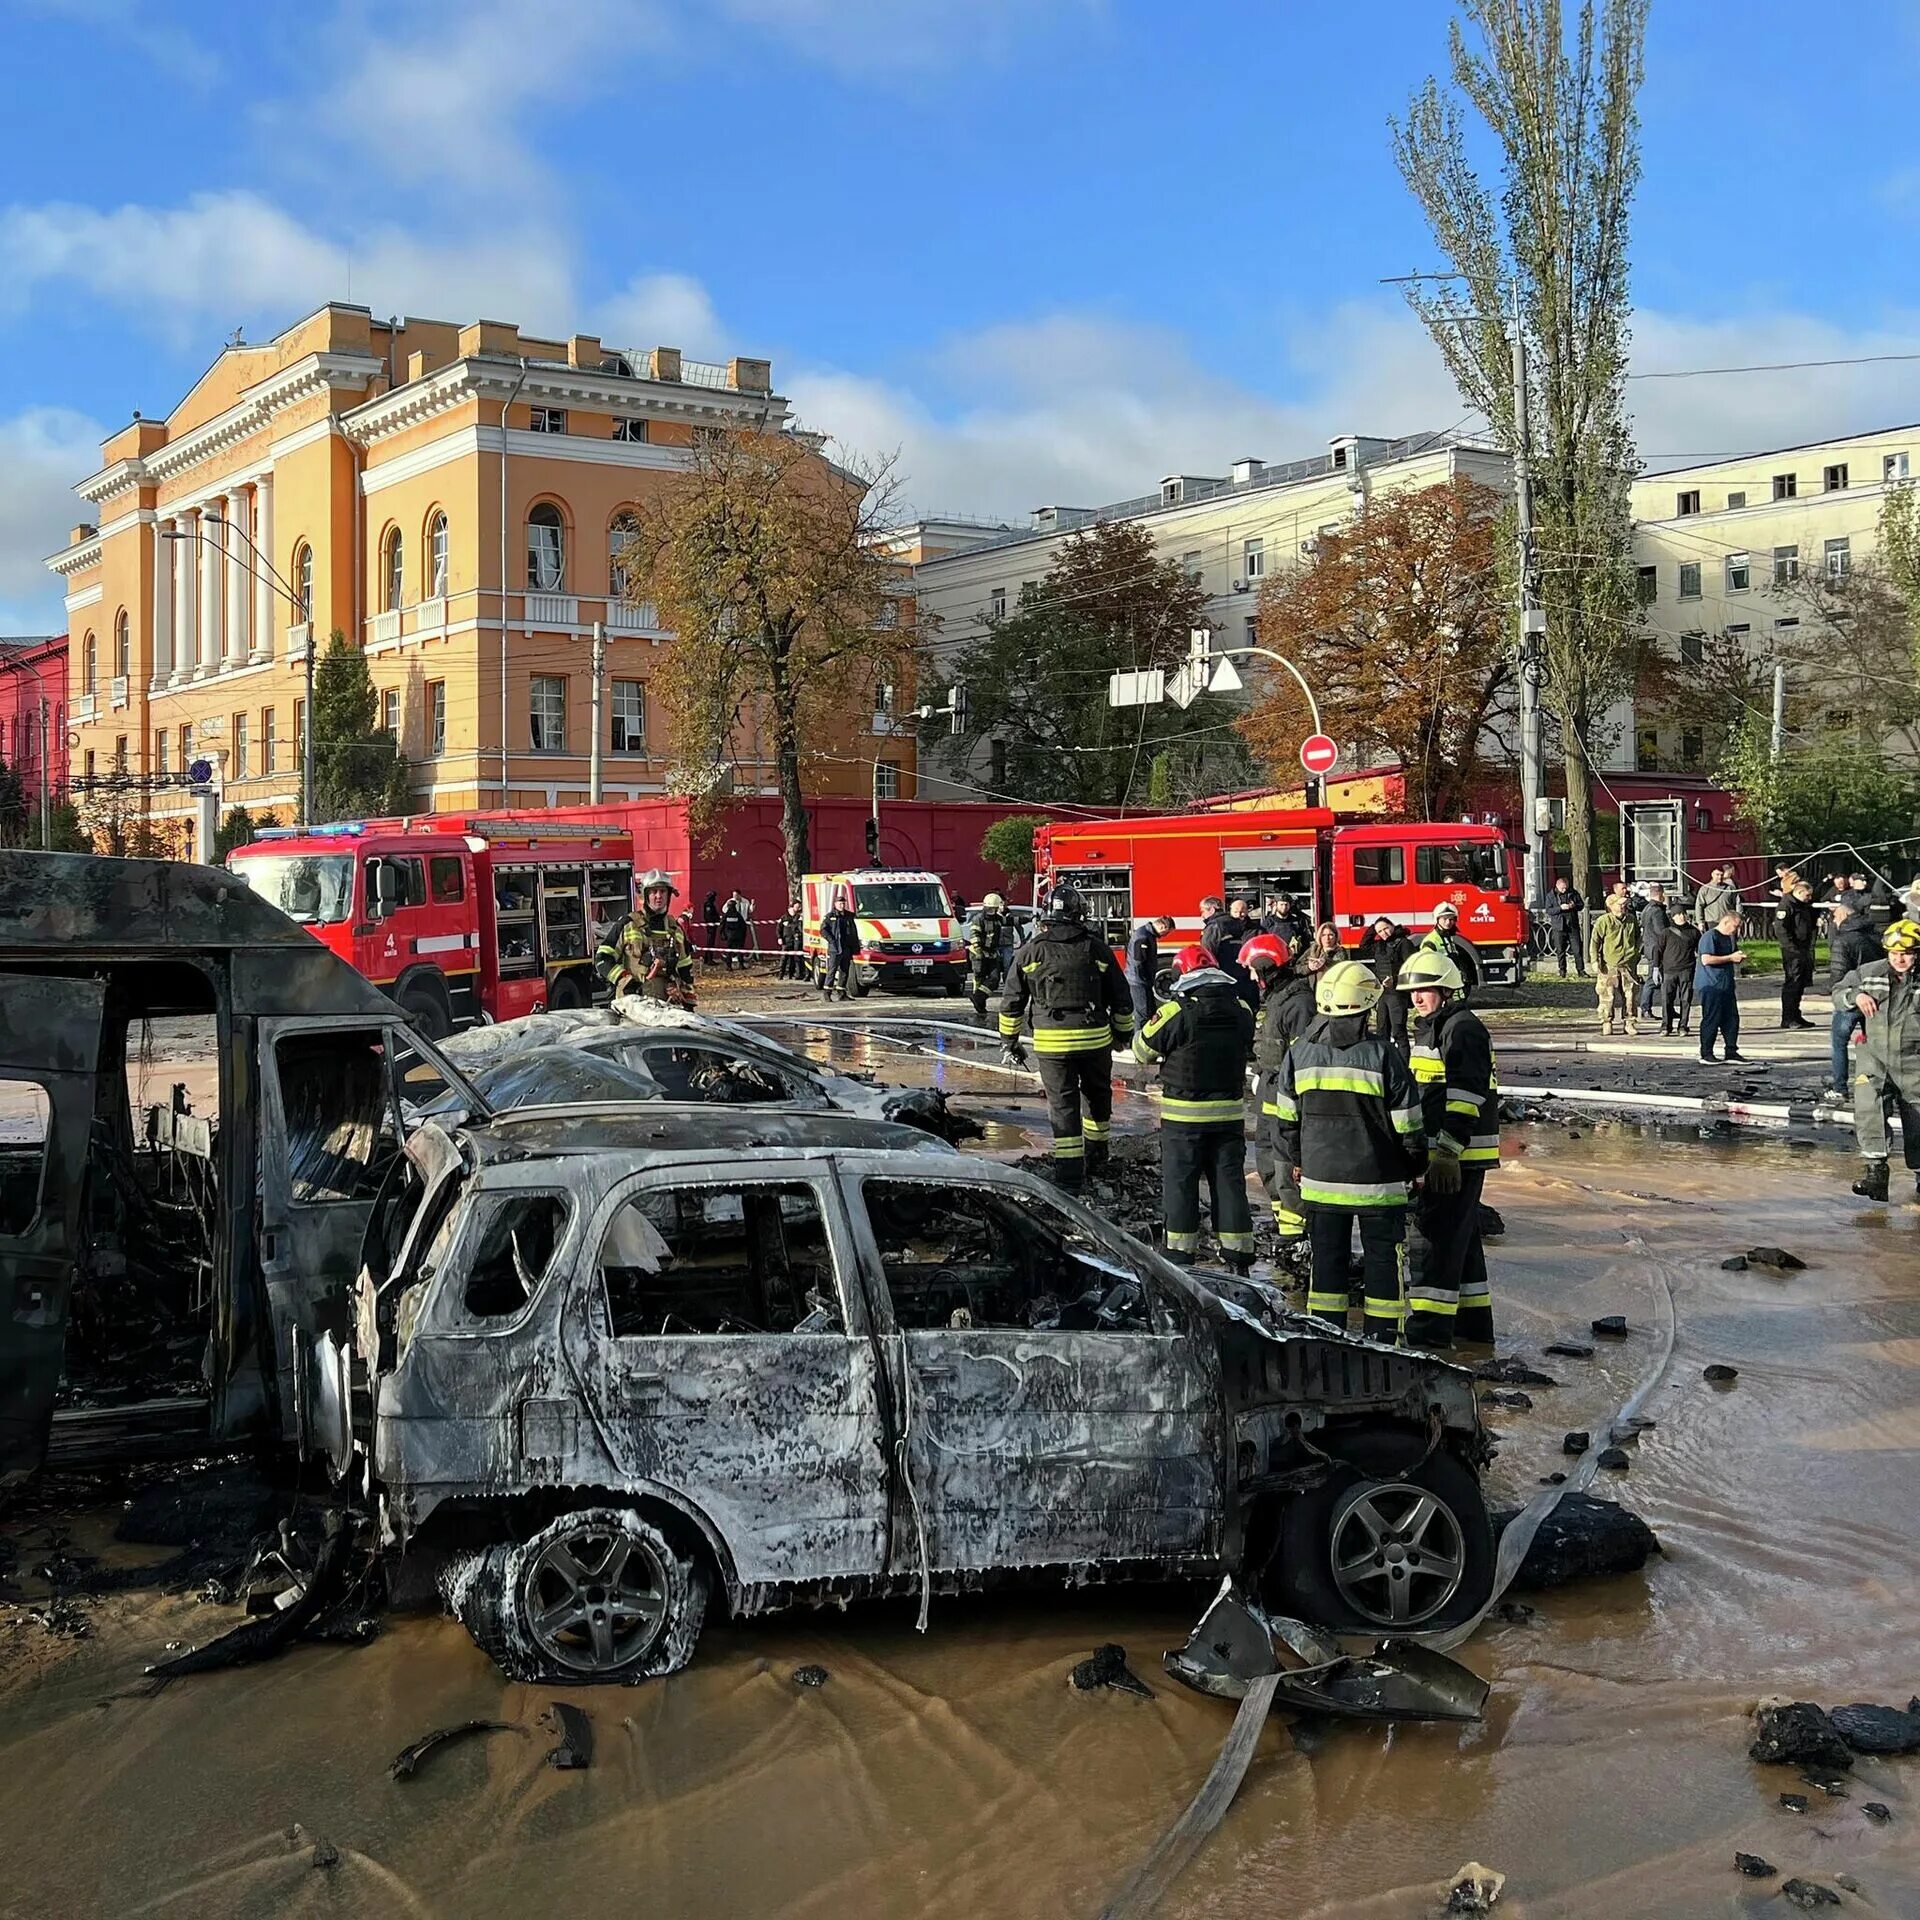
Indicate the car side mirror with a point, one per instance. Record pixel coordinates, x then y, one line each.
385 879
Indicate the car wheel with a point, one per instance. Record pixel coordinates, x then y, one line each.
598 1595
1385 1545
426 1009
565 993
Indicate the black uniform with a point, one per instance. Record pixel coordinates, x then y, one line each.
1347 1114
791 934
1286 1012
1563 911
1798 924
1447 1289
1386 957
1202 1035
986 962
841 932
1071 985
1679 947
1143 964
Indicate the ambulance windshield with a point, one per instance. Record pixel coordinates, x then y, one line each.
901 900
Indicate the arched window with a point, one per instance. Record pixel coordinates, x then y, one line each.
546 549
437 556
303 580
122 645
393 580
622 530
89 663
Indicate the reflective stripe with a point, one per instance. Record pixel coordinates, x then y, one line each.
1406 1119
1292 1225
1471 1297
1237 1242
1482 1152
1122 1022
1071 1039
1282 1108
1202 1112
1183 1242
1426 1064
1338 1080
1327 1303
1429 1300
1158 1018
1355 1193
1267 1106
1068 1146
1467 1109
1009 1025
1094 1129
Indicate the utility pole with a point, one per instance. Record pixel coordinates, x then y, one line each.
306 738
595 765
46 783
1533 624
1779 739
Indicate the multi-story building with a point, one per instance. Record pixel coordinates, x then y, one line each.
450 498
33 713
1729 549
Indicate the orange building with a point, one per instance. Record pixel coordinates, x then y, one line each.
449 498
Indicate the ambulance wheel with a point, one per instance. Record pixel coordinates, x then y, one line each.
424 1002
860 988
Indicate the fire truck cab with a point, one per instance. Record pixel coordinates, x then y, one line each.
456 927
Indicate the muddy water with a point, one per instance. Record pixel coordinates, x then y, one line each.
957 1774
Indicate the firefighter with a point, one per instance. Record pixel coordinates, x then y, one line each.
1446 938
1202 1035
1452 1062
1886 995
1348 1122
1074 991
1286 1012
986 952
647 953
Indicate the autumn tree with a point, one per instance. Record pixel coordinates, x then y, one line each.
1403 630
1035 679
765 561
1551 238
1899 549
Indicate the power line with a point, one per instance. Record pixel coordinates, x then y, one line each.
1773 366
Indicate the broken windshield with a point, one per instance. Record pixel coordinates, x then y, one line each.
316 889
902 900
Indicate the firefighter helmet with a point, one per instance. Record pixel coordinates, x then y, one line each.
651 879
1902 937
1448 908
1347 986
1064 903
1430 969
1266 950
1192 959
994 902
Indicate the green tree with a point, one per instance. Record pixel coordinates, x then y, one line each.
1899 548
1008 844
13 808
66 833
1036 679
1831 789
235 830
358 767
1552 239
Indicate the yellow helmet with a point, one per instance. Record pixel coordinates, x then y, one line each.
994 902
1429 969
1902 937
1347 986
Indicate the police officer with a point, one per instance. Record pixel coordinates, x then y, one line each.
1348 1122
840 933
1452 1062
1202 1034
1071 986
1286 1012
1886 995
986 956
648 953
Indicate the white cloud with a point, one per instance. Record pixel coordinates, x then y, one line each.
42 453
863 38
661 310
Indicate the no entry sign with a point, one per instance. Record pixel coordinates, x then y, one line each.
1318 753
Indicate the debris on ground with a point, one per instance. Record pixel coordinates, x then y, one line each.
1474 1889
326 1855
1719 1374
1870 1729
1516 1613
1754 1867
1797 1733
1518 1401
1569 1350
1553 1479
1511 1371
575 1750
1108 1668
1809 1893
1581 1539
1831 1784
1794 1802
229 1501
1615 1459
809 1676
1877 1811
1775 1257
406 1763
1612 1326
1488 1223
1576 1443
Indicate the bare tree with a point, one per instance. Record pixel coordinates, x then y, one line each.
1553 240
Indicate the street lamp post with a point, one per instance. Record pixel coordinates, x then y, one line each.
263 569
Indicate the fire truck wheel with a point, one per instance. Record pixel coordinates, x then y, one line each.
425 1005
565 993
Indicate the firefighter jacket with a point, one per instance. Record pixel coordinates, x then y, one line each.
1615 943
647 954
1286 1012
1201 1034
1347 1114
1460 950
984 957
1890 1046
1452 1063
1071 986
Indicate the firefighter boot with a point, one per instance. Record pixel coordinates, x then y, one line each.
1872 1185
1099 1158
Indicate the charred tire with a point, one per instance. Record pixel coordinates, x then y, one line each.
424 1002
567 991
600 1595
1385 1545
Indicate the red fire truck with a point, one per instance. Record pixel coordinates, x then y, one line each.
1127 870
459 922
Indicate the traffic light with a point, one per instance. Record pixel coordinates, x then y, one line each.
873 841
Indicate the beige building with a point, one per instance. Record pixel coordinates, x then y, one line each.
1729 548
452 500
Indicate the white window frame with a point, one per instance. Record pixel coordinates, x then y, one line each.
997 604
1694 568
1828 484
303 581
269 742
621 530
1686 504
1786 565
239 746
1693 649
390 711
1786 486
636 432
393 584
1838 557
1253 560
546 550
886 780
547 420
436 718
437 557
1893 466
627 715
542 701
1740 563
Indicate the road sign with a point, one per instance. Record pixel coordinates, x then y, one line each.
1225 677
1318 753
1146 689
1188 684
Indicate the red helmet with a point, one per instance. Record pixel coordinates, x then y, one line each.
1265 949
1192 959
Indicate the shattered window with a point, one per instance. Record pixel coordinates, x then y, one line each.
333 1088
24 1122
966 1256
513 1246
713 1073
715 1259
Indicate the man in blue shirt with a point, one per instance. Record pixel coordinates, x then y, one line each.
1716 978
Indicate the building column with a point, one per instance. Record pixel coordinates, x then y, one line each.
186 600
165 564
263 587
212 557
238 568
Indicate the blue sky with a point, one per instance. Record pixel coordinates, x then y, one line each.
1046 251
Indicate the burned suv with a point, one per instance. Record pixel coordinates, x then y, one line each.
614 1366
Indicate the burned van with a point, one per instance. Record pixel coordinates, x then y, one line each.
198 1104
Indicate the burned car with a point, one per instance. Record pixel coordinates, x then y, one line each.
611 1382
641 1050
